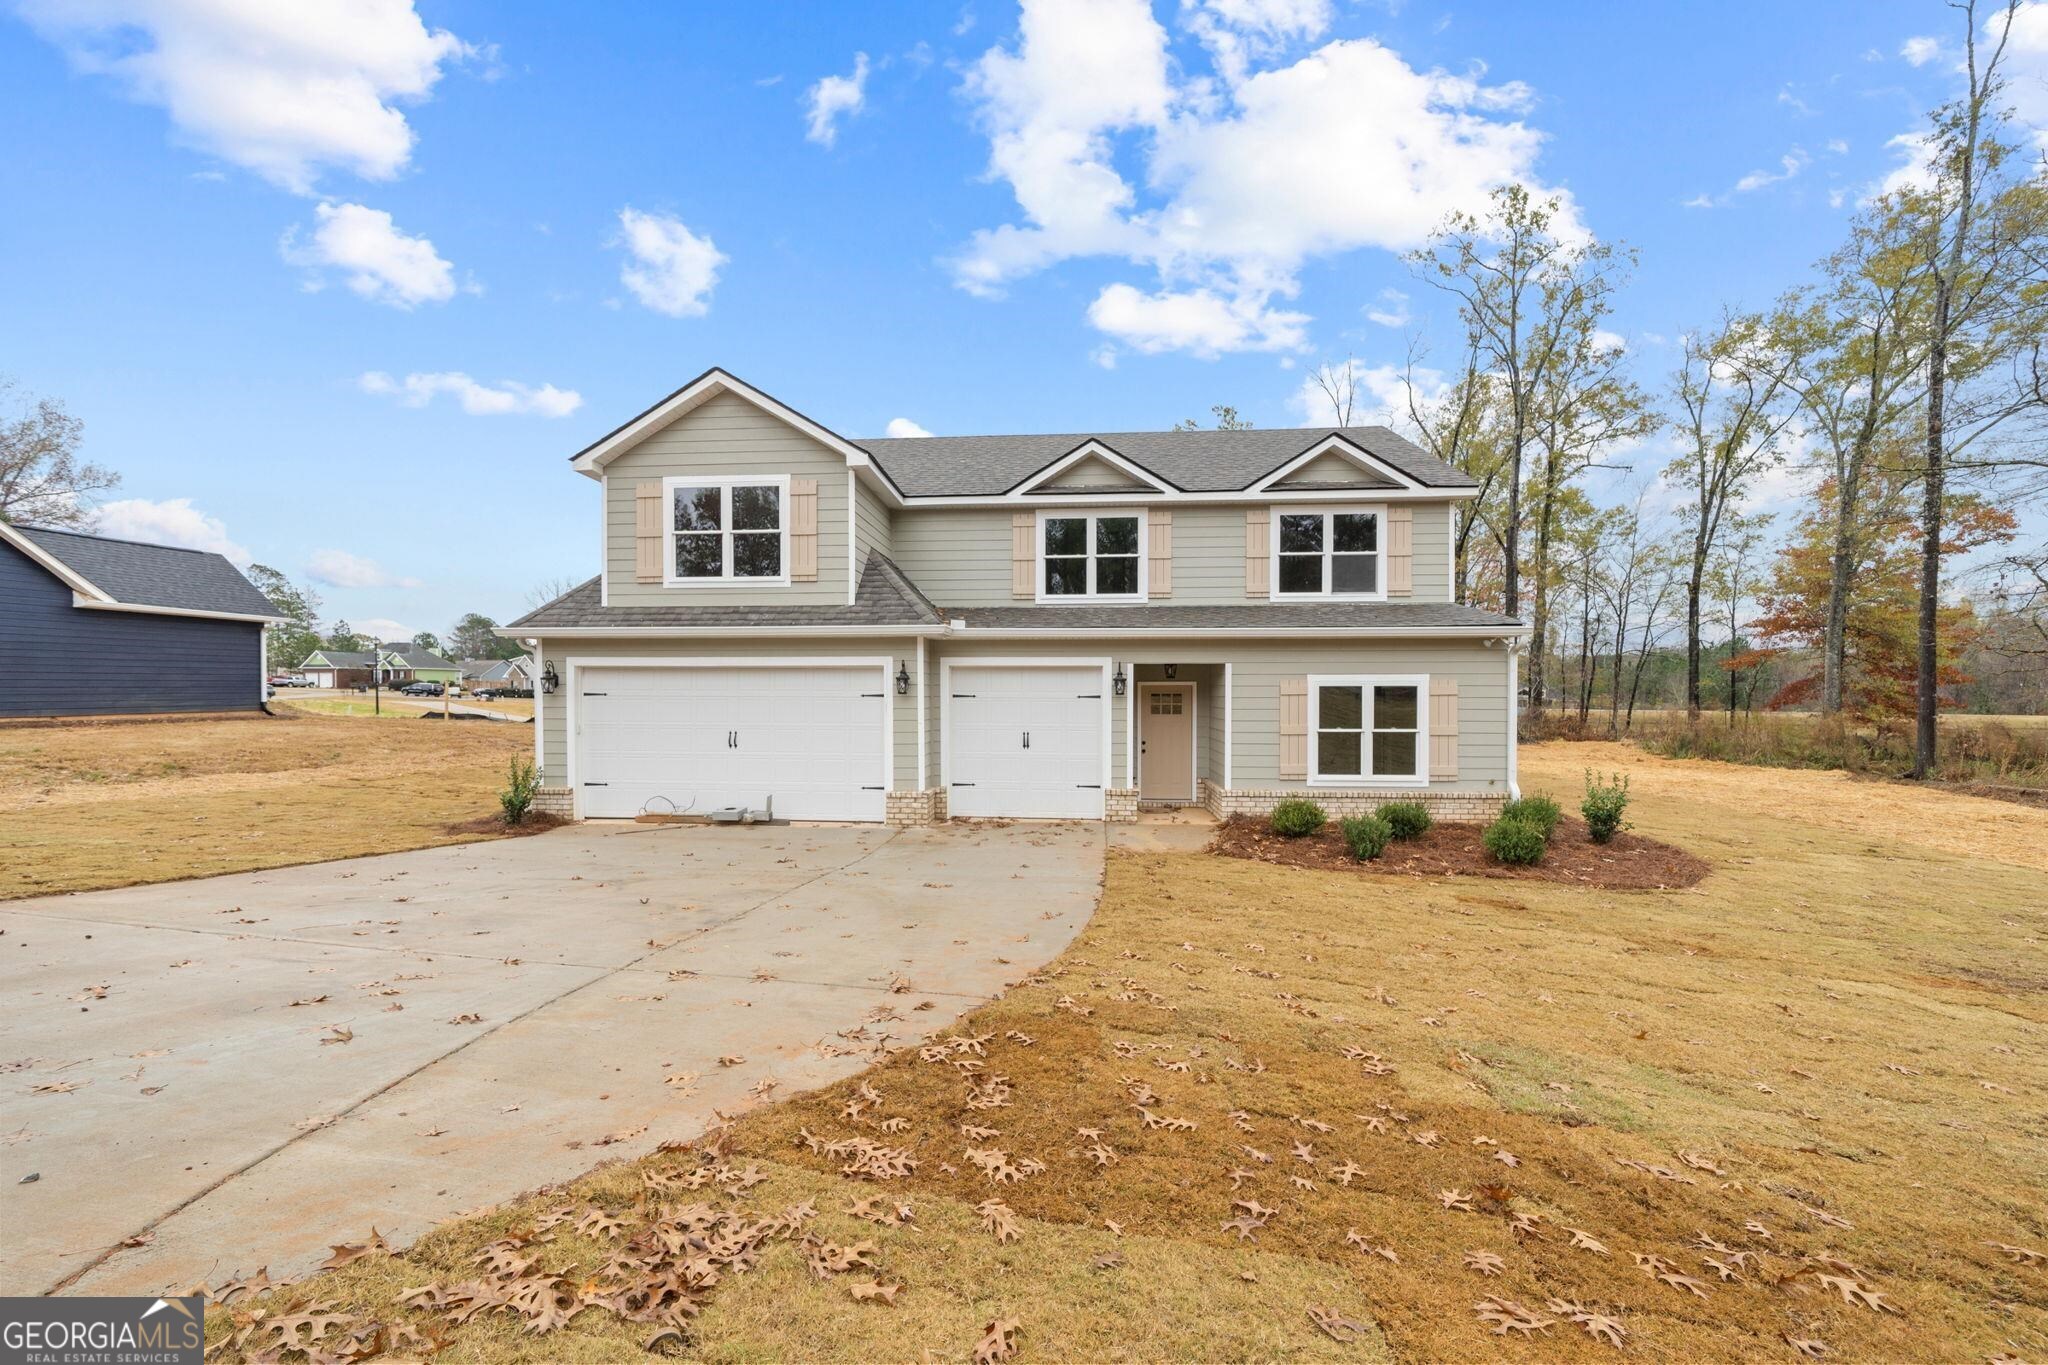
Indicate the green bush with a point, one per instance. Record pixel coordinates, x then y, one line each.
1296 818
1603 806
1515 841
517 798
1406 818
1540 811
1367 835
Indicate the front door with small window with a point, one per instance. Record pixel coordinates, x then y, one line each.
1166 742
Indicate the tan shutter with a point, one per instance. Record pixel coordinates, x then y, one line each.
1443 729
1294 729
1258 562
647 531
803 530
1159 571
1023 530
1401 552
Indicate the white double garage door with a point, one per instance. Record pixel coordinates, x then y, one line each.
817 739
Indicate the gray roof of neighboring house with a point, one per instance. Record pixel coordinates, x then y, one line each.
885 598
343 658
409 655
1192 461
1235 616
143 575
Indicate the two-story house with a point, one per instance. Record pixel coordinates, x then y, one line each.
1031 626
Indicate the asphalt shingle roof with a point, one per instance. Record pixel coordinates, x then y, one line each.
885 598
144 575
1193 461
1233 616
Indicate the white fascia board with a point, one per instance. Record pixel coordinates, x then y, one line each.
1252 633
80 586
1066 498
96 604
1090 449
710 384
710 632
1350 450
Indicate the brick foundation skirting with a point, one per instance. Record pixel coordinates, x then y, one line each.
554 801
914 807
1120 805
1454 807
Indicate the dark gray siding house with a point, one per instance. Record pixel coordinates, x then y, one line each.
91 626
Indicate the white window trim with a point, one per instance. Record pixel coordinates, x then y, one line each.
1373 509
1366 682
1092 515
725 483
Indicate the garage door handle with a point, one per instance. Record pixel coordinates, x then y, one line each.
1027 739
963 784
1089 786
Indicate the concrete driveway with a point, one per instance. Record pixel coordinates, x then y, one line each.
174 1069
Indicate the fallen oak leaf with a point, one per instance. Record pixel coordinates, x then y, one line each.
998 1342
863 1290
1335 1326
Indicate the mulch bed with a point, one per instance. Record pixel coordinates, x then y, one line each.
536 822
1627 863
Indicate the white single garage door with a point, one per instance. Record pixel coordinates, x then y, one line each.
694 739
1025 741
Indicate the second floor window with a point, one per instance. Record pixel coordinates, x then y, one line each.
727 531
1329 552
1090 555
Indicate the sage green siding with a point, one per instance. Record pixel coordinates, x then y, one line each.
725 436
960 557
561 653
872 526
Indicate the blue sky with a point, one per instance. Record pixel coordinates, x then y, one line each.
257 261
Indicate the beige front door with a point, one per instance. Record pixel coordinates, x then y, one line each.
1166 742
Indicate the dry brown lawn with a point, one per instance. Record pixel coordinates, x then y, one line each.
1819 1073
94 805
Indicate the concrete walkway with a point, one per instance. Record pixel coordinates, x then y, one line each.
216 1121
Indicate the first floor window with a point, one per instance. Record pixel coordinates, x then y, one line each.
1089 555
1367 729
726 531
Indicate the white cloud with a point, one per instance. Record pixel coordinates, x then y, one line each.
1789 165
903 426
1379 395
2027 61
672 269
340 569
173 522
506 398
1838 146
1604 340
1391 310
1700 201
282 89
383 630
834 98
380 262
1237 187
1197 320
1919 51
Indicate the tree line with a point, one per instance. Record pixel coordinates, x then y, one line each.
1904 381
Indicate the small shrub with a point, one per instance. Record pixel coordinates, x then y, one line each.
1367 835
1296 818
1603 806
1517 842
1406 819
517 798
1540 811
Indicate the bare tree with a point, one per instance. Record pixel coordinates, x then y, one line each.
1735 404
1340 389
1453 427
42 480
1521 289
547 590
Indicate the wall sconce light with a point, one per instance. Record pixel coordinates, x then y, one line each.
1119 681
549 681
902 679
1172 672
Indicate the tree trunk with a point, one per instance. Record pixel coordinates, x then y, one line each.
1928 681
1692 631
1842 566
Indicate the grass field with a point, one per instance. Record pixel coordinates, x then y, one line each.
95 805
398 706
1799 1103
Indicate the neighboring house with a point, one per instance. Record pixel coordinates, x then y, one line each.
498 672
394 665
1034 626
337 667
95 626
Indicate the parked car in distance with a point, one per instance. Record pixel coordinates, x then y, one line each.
499 693
288 680
420 689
